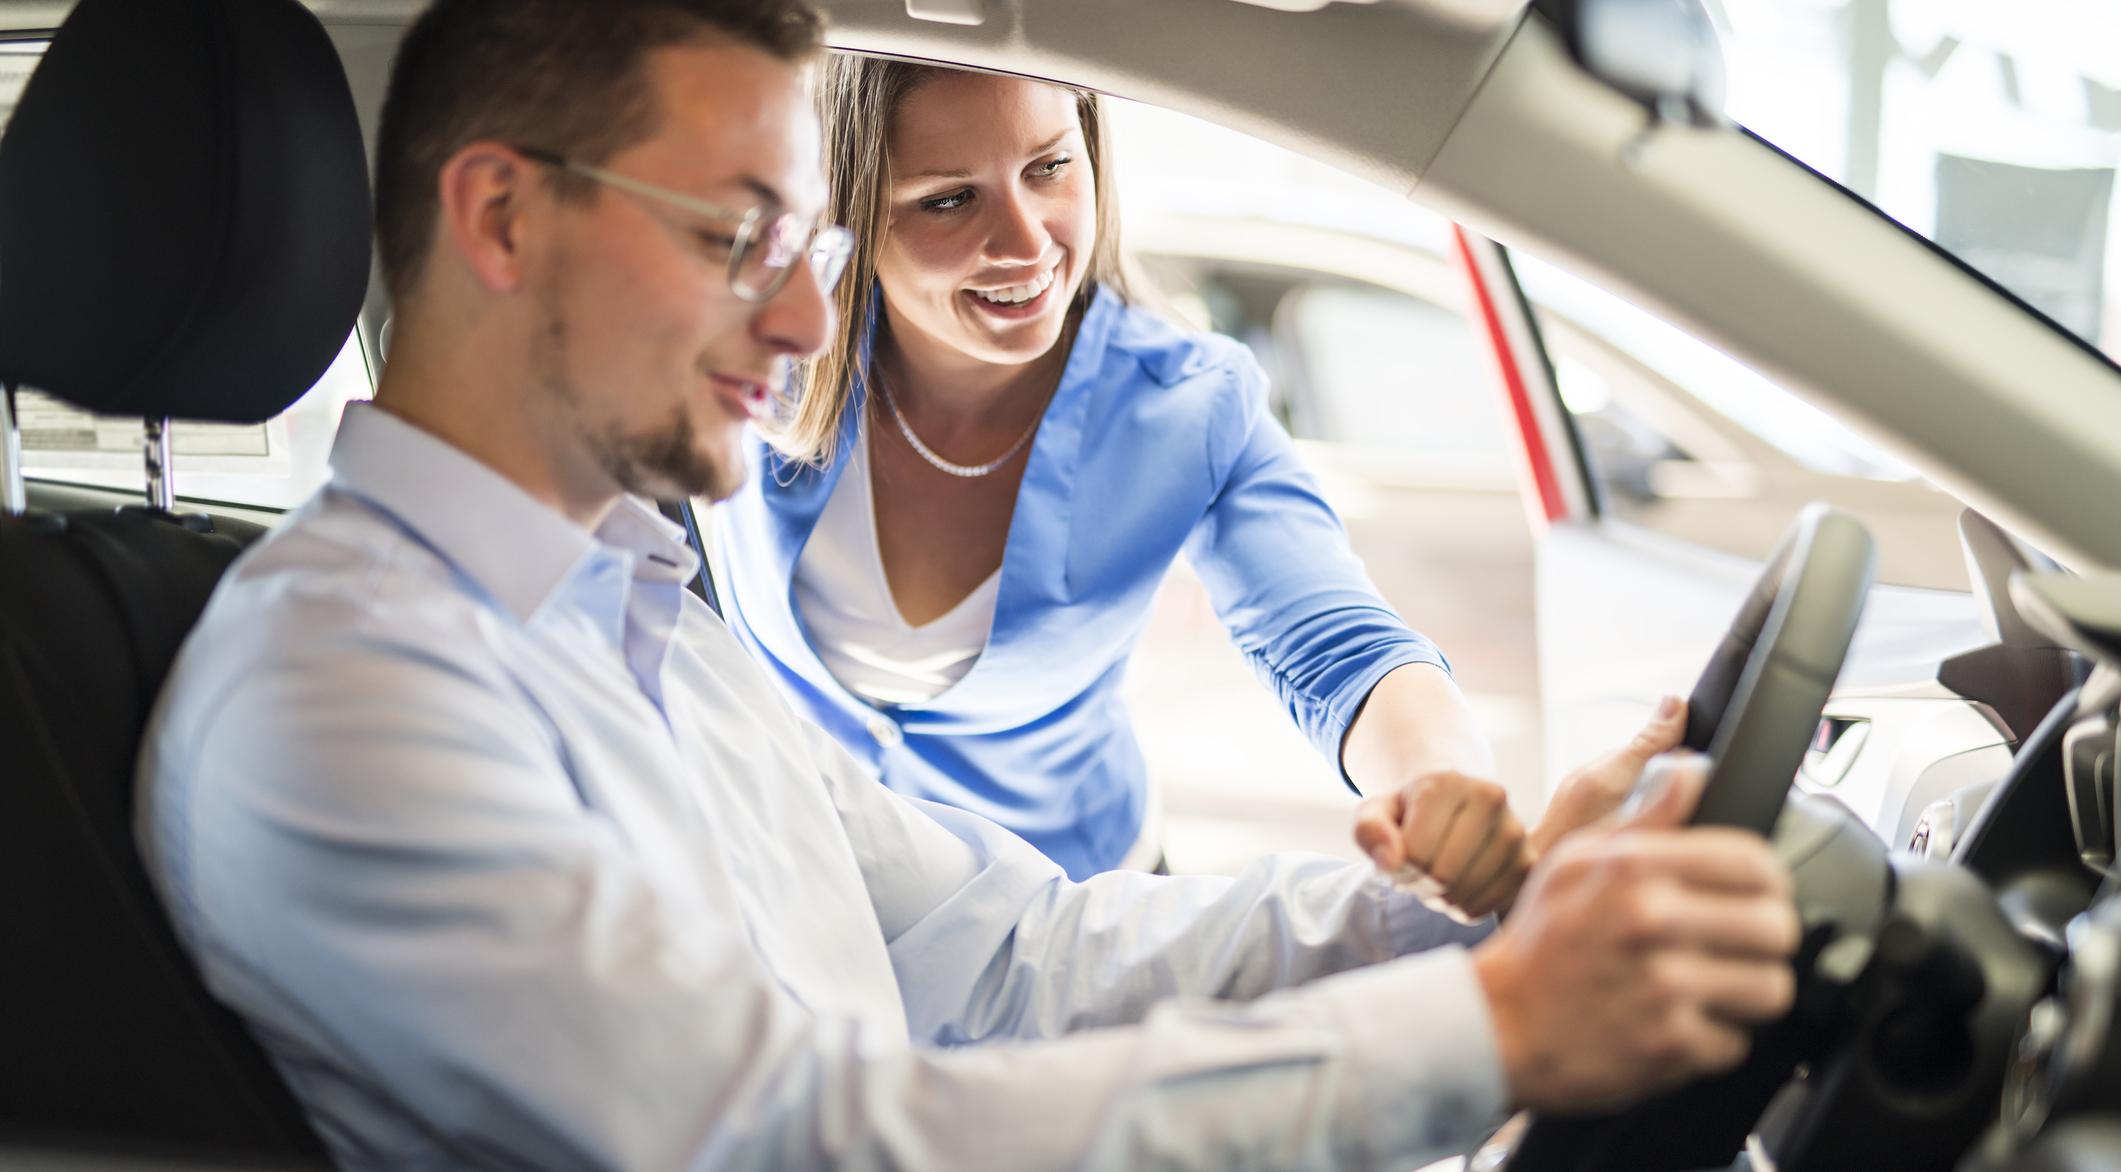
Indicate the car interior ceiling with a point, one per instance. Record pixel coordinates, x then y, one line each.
1952 1013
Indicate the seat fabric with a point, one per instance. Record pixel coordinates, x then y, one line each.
112 1034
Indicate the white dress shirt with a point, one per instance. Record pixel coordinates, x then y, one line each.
512 858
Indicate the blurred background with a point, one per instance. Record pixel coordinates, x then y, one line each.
1995 131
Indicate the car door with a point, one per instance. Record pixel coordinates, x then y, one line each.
1660 474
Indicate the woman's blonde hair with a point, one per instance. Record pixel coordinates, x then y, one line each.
856 100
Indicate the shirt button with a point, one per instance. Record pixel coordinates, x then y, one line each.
886 733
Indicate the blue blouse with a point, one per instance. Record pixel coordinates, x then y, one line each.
1156 442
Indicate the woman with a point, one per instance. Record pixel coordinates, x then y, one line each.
949 551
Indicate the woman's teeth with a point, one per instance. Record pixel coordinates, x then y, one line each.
1018 294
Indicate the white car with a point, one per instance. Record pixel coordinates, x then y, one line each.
1948 999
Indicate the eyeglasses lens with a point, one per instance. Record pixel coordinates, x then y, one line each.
769 250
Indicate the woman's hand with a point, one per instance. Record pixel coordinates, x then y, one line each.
1451 838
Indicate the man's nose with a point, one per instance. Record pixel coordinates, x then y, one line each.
1016 233
797 320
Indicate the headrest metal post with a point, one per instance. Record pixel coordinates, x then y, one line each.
161 493
14 498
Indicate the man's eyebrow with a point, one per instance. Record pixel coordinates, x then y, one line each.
960 173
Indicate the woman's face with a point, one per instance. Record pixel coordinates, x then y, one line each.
992 217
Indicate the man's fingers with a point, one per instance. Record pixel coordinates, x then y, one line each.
1709 858
1739 992
1698 1043
1733 926
1377 830
1661 733
1677 791
1757 926
1748 992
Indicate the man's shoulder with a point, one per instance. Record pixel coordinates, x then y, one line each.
334 575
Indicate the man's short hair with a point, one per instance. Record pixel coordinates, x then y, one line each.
567 76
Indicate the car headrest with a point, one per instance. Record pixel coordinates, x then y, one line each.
184 211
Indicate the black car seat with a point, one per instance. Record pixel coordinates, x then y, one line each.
184 233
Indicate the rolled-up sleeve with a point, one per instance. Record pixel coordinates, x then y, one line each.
1276 563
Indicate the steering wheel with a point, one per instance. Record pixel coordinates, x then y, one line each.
1757 703
1753 711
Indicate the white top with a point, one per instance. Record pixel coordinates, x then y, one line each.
854 623
513 857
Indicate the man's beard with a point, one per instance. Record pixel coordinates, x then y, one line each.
664 462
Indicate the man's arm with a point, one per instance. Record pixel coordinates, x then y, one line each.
409 901
991 939
1642 954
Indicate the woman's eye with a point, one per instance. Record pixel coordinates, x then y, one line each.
1052 169
946 203
716 243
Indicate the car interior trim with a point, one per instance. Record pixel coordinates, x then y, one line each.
1555 503
1691 224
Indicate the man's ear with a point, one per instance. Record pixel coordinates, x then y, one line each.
489 204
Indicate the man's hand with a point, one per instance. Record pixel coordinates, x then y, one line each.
1638 957
1450 837
1596 789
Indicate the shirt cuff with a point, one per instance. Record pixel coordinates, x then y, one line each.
1412 926
1426 1074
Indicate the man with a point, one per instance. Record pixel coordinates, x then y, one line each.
511 857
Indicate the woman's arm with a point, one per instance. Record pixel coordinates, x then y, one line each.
1414 722
1373 695
1436 817
1277 565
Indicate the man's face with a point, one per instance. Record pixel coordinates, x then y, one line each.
650 364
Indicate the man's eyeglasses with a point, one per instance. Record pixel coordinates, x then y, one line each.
764 244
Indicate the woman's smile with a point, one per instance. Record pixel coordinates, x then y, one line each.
1017 302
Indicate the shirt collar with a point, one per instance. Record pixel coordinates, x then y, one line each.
516 549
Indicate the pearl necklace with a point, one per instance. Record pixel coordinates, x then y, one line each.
927 453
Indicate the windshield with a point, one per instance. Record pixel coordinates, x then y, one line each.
1993 130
